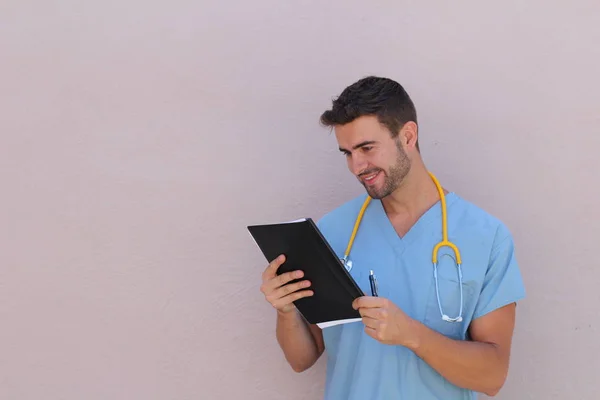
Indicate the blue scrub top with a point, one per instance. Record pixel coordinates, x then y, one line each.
359 367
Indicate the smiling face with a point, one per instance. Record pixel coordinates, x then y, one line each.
378 160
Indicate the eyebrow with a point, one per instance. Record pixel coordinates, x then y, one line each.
361 144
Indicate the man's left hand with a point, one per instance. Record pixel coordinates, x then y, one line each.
384 321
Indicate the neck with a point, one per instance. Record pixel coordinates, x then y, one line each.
416 194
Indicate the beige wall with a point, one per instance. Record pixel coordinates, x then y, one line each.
138 139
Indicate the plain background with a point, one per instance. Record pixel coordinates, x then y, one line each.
139 138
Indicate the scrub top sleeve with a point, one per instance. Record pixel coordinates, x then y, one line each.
503 283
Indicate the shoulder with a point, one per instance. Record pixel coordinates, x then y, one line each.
471 218
342 216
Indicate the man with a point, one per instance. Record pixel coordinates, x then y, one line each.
403 348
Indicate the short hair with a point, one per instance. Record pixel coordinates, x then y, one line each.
382 97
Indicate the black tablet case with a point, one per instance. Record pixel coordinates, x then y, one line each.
307 249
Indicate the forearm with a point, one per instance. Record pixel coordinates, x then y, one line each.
296 340
473 365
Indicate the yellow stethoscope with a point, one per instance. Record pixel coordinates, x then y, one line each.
444 242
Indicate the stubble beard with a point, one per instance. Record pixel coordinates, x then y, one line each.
392 178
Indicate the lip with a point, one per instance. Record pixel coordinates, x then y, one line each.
372 179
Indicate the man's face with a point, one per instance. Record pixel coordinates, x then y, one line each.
374 157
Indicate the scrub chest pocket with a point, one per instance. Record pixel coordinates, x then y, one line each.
449 299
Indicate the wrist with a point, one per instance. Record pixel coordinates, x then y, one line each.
415 337
288 314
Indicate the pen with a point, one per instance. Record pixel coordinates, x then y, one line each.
373 282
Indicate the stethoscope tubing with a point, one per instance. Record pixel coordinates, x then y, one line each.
445 242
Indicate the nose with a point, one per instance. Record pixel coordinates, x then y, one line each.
357 163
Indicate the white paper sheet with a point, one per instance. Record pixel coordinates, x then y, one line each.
324 325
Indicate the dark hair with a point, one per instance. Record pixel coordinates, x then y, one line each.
372 95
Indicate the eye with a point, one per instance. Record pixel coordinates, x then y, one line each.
367 148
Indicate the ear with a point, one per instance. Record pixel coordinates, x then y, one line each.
409 135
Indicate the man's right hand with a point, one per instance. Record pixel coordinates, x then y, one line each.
278 291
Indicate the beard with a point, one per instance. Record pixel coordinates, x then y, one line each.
392 179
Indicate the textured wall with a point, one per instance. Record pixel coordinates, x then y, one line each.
139 138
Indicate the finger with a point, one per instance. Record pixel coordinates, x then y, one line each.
372 332
280 280
375 313
271 270
370 322
288 289
368 302
290 298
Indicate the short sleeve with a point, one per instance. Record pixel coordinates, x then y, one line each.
503 283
